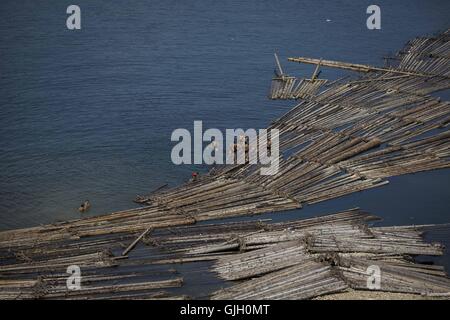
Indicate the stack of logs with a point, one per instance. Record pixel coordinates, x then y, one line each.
286 260
288 87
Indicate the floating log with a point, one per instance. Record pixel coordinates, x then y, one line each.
351 66
133 244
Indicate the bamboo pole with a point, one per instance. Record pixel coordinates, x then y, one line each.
352 66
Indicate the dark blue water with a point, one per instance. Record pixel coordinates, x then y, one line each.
89 113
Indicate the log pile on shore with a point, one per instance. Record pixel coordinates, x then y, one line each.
348 138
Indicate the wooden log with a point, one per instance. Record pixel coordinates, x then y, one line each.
351 66
133 244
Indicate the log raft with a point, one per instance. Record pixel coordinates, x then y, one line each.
350 137
351 66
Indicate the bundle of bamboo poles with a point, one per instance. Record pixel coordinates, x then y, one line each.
348 138
333 257
305 280
305 253
396 276
287 87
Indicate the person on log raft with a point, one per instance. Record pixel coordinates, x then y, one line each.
194 176
84 206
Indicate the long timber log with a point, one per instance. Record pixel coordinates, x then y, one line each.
352 66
